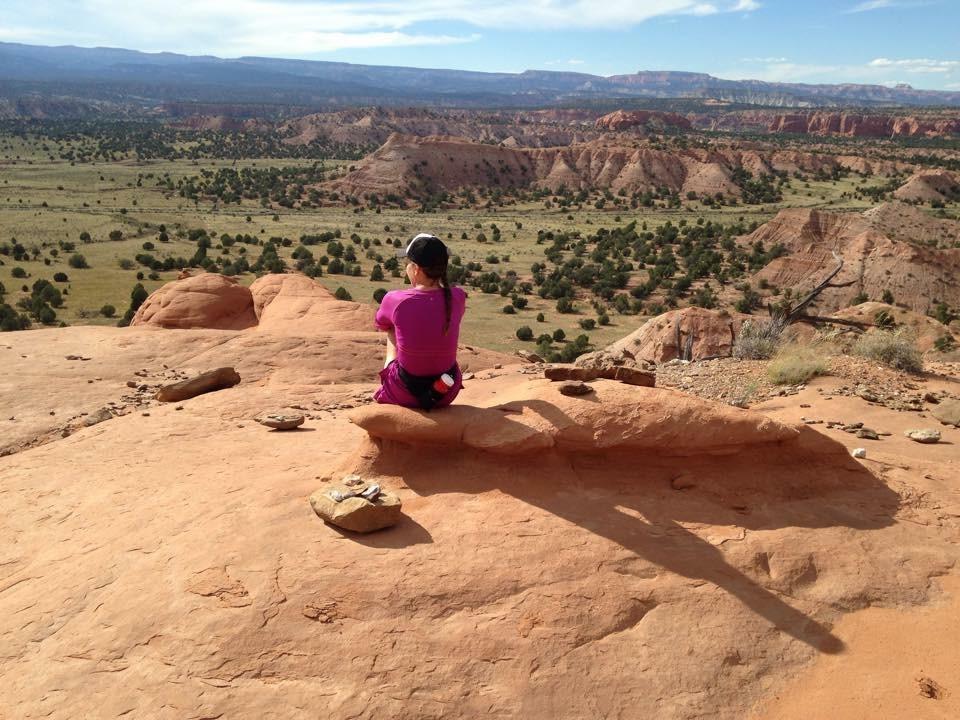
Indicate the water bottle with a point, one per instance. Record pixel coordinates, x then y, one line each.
443 384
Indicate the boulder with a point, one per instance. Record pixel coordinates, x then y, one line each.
208 300
925 436
948 413
534 417
294 304
218 379
691 333
340 505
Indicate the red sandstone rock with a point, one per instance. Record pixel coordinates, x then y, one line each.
208 300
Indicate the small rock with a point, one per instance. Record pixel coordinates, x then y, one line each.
131 383
279 421
98 417
574 388
497 366
145 414
683 482
356 513
867 434
867 395
468 376
804 405
925 436
859 453
529 356
931 398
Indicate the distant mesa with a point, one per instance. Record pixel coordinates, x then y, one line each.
421 166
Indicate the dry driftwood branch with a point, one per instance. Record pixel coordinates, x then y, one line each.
813 319
798 309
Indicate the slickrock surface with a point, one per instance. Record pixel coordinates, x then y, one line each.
632 552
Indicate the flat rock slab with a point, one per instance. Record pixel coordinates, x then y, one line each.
356 513
628 375
218 379
927 437
281 421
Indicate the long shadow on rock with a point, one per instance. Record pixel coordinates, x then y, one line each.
629 498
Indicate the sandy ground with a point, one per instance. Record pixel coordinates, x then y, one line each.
168 565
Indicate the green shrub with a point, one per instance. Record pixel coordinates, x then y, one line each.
18 272
108 311
588 323
378 295
884 319
795 364
524 333
78 261
757 340
895 349
559 335
60 277
540 317
945 343
342 294
509 309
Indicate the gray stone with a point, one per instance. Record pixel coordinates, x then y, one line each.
280 421
867 434
859 453
97 417
927 437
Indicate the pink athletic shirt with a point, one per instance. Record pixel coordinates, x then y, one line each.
417 317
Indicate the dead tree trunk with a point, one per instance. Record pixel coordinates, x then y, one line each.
781 318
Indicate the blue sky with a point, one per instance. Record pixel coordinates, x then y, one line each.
869 41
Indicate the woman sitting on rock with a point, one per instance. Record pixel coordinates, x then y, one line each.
423 326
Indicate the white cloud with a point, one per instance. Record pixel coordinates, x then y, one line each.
746 6
872 5
702 9
286 27
764 60
869 5
917 65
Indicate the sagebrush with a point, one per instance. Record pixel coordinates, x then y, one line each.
895 349
758 340
795 364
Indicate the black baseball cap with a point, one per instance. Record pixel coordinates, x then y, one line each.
425 250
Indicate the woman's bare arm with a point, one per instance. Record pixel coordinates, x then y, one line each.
391 347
